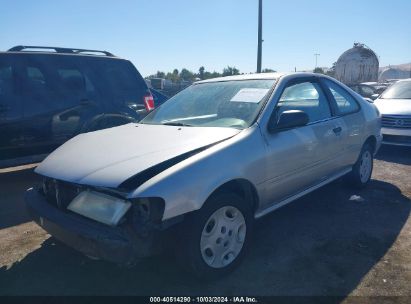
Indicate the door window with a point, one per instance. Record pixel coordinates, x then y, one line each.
9 100
346 103
6 79
307 97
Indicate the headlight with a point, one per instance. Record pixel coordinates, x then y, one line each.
100 207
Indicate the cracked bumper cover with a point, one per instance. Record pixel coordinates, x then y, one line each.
121 245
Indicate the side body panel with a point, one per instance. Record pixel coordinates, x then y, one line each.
250 156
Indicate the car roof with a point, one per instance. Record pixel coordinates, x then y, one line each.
257 76
254 76
31 53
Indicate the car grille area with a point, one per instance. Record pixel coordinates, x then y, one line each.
396 121
59 193
395 139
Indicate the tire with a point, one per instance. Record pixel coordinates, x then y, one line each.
362 170
213 241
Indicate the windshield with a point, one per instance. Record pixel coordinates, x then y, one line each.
399 90
233 104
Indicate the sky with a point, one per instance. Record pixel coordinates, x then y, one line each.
160 35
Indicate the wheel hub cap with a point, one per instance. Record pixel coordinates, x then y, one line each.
365 166
223 237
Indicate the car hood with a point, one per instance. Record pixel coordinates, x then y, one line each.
108 157
394 106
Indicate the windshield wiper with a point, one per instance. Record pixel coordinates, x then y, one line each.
178 124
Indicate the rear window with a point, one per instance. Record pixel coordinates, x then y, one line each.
346 103
122 80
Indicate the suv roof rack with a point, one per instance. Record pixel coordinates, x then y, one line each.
20 48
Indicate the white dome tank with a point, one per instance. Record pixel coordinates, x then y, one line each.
356 65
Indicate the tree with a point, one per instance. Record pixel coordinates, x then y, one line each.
201 72
160 74
331 72
318 70
268 71
228 71
174 77
186 75
215 74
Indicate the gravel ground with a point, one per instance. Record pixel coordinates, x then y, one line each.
335 241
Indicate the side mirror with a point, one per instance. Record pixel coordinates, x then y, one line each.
287 120
375 96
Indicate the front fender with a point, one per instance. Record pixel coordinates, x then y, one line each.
186 186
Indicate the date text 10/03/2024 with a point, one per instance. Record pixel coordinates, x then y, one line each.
203 300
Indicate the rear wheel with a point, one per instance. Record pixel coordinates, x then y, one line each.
362 169
213 240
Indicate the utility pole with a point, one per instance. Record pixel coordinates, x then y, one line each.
260 35
316 59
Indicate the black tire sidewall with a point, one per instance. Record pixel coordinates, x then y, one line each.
190 235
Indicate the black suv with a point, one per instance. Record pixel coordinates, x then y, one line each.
48 95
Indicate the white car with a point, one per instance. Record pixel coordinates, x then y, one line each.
197 171
395 107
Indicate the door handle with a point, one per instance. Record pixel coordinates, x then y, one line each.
337 130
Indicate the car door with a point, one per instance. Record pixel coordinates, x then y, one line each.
301 157
10 109
350 118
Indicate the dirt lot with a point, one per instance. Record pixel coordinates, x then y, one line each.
335 241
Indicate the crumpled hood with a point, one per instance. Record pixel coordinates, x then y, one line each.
394 106
108 157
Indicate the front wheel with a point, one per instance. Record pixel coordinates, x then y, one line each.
362 169
213 240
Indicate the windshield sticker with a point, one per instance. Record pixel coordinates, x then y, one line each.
250 95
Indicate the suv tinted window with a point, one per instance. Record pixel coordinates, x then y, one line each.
6 79
307 97
346 103
64 81
53 82
10 106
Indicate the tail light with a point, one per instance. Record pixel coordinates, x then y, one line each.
149 102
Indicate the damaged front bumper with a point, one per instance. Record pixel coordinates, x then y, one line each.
121 244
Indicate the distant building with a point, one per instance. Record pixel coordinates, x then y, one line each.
393 73
356 65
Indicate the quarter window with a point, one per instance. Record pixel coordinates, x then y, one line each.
346 103
307 97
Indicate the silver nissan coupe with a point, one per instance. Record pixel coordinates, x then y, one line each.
195 173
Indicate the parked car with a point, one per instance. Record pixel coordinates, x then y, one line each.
395 107
48 95
368 91
219 155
